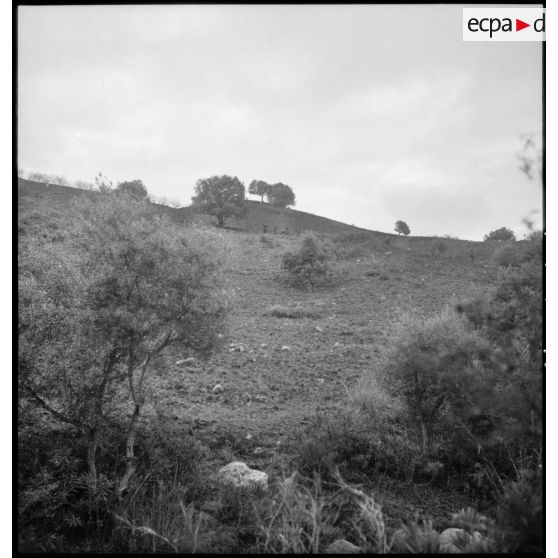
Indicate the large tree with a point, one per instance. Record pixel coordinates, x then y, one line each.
402 228
281 195
259 188
221 196
134 188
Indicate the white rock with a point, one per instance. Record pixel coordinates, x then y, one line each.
185 360
218 389
318 328
239 475
342 546
263 345
285 348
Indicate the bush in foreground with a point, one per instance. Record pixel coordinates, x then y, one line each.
96 312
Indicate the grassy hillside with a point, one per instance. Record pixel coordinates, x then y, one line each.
278 374
257 216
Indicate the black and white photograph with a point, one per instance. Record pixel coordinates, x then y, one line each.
280 278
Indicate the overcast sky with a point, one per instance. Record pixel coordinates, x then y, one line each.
370 113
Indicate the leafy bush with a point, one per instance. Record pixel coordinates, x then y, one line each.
309 263
502 233
357 442
92 319
512 320
436 366
507 256
439 247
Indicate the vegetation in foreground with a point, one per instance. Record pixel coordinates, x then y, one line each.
446 408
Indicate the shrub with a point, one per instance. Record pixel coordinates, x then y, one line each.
439 247
309 263
506 256
357 442
512 321
500 234
435 366
96 310
266 241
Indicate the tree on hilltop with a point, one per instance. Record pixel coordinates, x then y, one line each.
134 188
281 195
221 196
502 233
402 228
259 188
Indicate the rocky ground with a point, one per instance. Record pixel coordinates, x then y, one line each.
274 373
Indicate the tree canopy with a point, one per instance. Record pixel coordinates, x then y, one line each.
502 233
281 195
402 228
134 188
259 188
96 310
221 196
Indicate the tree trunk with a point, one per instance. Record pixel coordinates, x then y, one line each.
91 462
130 457
424 432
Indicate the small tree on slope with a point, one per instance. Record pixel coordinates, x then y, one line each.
97 309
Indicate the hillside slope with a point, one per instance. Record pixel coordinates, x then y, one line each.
289 221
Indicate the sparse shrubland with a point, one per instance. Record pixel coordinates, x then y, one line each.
438 414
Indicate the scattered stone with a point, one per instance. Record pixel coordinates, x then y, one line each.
342 546
320 381
248 436
258 450
238 475
450 537
285 348
263 345
337 344
319 329
218 389
387 253
185 361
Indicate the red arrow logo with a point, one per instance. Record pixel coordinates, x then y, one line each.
519 25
